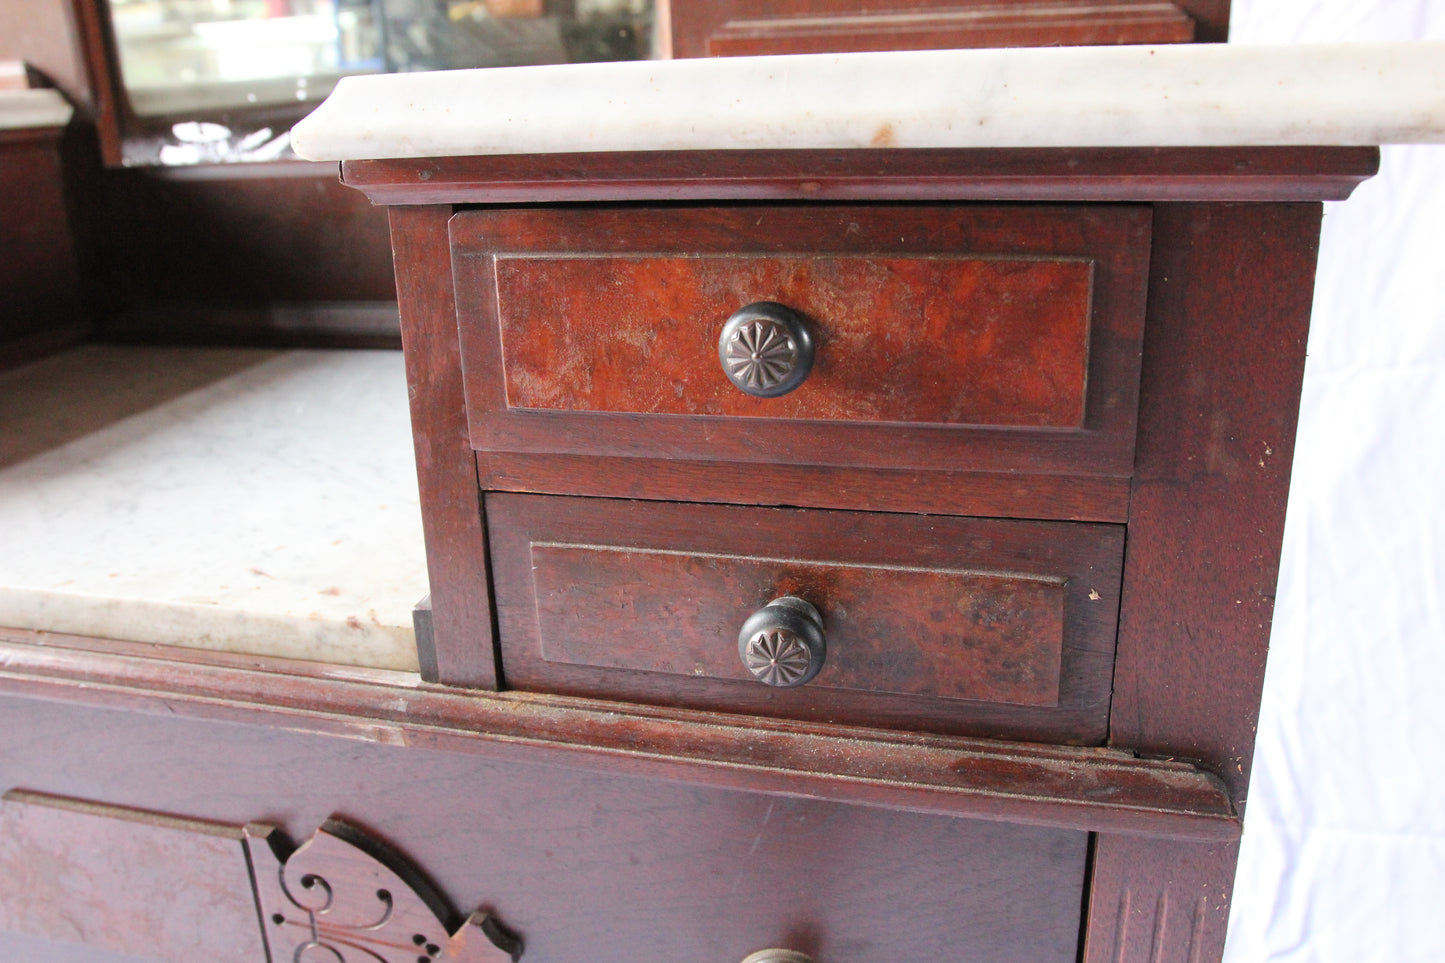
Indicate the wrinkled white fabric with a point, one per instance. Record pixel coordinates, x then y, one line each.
1343 858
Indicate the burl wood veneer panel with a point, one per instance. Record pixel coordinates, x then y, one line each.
950 340
958 625
951 337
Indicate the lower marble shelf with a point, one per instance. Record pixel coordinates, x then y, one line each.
239 500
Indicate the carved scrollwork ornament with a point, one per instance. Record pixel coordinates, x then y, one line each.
344 897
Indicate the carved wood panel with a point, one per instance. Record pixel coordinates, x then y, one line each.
167 888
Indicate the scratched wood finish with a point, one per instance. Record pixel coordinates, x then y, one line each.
814 27
122 881
1092 789
942 174
1224 366
951 634
994 494
461 650
1114 239
922 612
1156 901
591 867
950 340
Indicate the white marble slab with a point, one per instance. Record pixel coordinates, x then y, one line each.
250 501
1175 95
21 109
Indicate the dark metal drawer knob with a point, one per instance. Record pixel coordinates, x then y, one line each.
766 349
782 643
778 956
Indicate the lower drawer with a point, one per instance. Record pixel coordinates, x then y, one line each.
959 625
583 865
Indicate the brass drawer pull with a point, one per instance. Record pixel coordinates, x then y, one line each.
766 349
782 643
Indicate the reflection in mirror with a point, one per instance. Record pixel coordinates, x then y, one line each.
222 80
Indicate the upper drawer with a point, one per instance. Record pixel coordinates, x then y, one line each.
948 338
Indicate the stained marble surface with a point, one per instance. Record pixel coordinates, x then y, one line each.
1174 95
250 501
20 109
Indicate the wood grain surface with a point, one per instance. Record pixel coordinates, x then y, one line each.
947 340
461 649
1154 174
1064 787
802 27
945 624
992 494
124 881
915 375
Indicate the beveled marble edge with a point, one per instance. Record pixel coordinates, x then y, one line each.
1182 95
23 109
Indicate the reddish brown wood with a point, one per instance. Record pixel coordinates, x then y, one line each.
451 505
1113 238
97 70
975 340
343 890
801 27
917 613
278 233
1222 372
983 637
1211 19
123 881
1073 788
1155 901
1012 495
1022 174
38 272
589 866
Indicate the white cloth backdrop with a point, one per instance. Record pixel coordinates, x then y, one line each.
1343 858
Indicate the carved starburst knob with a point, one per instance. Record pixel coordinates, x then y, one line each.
782 643
766 349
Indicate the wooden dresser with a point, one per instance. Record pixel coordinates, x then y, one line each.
835 555
1030 484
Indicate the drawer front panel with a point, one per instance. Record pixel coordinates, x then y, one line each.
948 340
969 626
586 864
940 633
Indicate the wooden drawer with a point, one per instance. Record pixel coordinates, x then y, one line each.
947 337
958 625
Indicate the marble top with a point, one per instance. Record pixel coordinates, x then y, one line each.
21 109
1174 95
250 501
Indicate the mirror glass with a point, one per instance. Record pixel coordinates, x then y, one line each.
201 74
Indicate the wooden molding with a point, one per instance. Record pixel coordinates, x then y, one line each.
939 174
1086 788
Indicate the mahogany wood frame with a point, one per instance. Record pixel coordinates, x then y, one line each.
1232 259
1234 242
